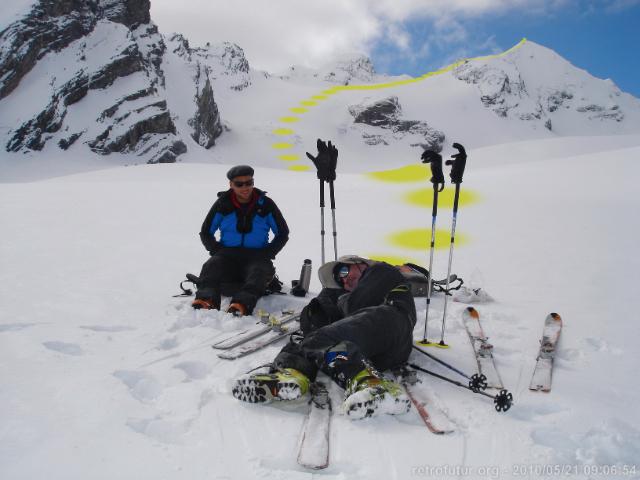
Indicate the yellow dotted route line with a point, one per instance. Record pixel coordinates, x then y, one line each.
304 105
415 239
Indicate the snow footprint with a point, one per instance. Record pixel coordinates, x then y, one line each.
14 327
530 411
63 347
166 431
194 370
142 385
168 343
602 346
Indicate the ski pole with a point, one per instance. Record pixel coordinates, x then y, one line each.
458 162
322 219
502 401
333 217
437 179
325 162
476 381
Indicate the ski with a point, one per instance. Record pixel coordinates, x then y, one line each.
541 379
434 418
313 450
267 323
482 348
263 340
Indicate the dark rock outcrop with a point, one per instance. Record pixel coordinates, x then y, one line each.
206 122
386 114
127 12
50 26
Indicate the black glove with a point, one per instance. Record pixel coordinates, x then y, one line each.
435 159
326 161
458 162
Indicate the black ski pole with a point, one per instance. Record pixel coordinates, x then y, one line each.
502 401
333 218
477 381
437 179
458 162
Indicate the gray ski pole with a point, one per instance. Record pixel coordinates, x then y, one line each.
437 179
322 219
458 162
326 162
333 217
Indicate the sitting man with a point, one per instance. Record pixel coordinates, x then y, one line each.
361 323
244 215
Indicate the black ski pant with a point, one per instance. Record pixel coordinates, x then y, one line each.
380 337
251 274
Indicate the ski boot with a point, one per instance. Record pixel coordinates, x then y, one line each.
368 394
284 384
205 304
237 310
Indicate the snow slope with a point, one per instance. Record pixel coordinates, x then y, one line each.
105 375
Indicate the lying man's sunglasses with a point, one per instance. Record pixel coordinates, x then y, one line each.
248 183
343 272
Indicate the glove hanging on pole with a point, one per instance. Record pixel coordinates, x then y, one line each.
435 159
457 162
326 161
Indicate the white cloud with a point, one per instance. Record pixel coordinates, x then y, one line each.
278 33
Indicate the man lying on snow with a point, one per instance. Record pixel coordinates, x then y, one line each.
361 323
244 215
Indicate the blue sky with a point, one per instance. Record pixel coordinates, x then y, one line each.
604 42
414 36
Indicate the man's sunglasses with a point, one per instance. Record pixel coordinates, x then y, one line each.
248 183
341 273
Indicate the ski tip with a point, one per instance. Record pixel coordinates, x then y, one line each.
472 312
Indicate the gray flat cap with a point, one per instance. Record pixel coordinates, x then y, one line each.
239 171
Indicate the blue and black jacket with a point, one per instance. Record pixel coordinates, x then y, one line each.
245 226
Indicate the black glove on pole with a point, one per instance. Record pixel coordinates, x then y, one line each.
437 179
325 163
457 162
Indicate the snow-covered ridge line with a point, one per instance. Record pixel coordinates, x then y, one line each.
102 79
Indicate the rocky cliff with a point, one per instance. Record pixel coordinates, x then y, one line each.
93 72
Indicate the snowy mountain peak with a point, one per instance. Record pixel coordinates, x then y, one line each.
350 69
534 84
347 69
